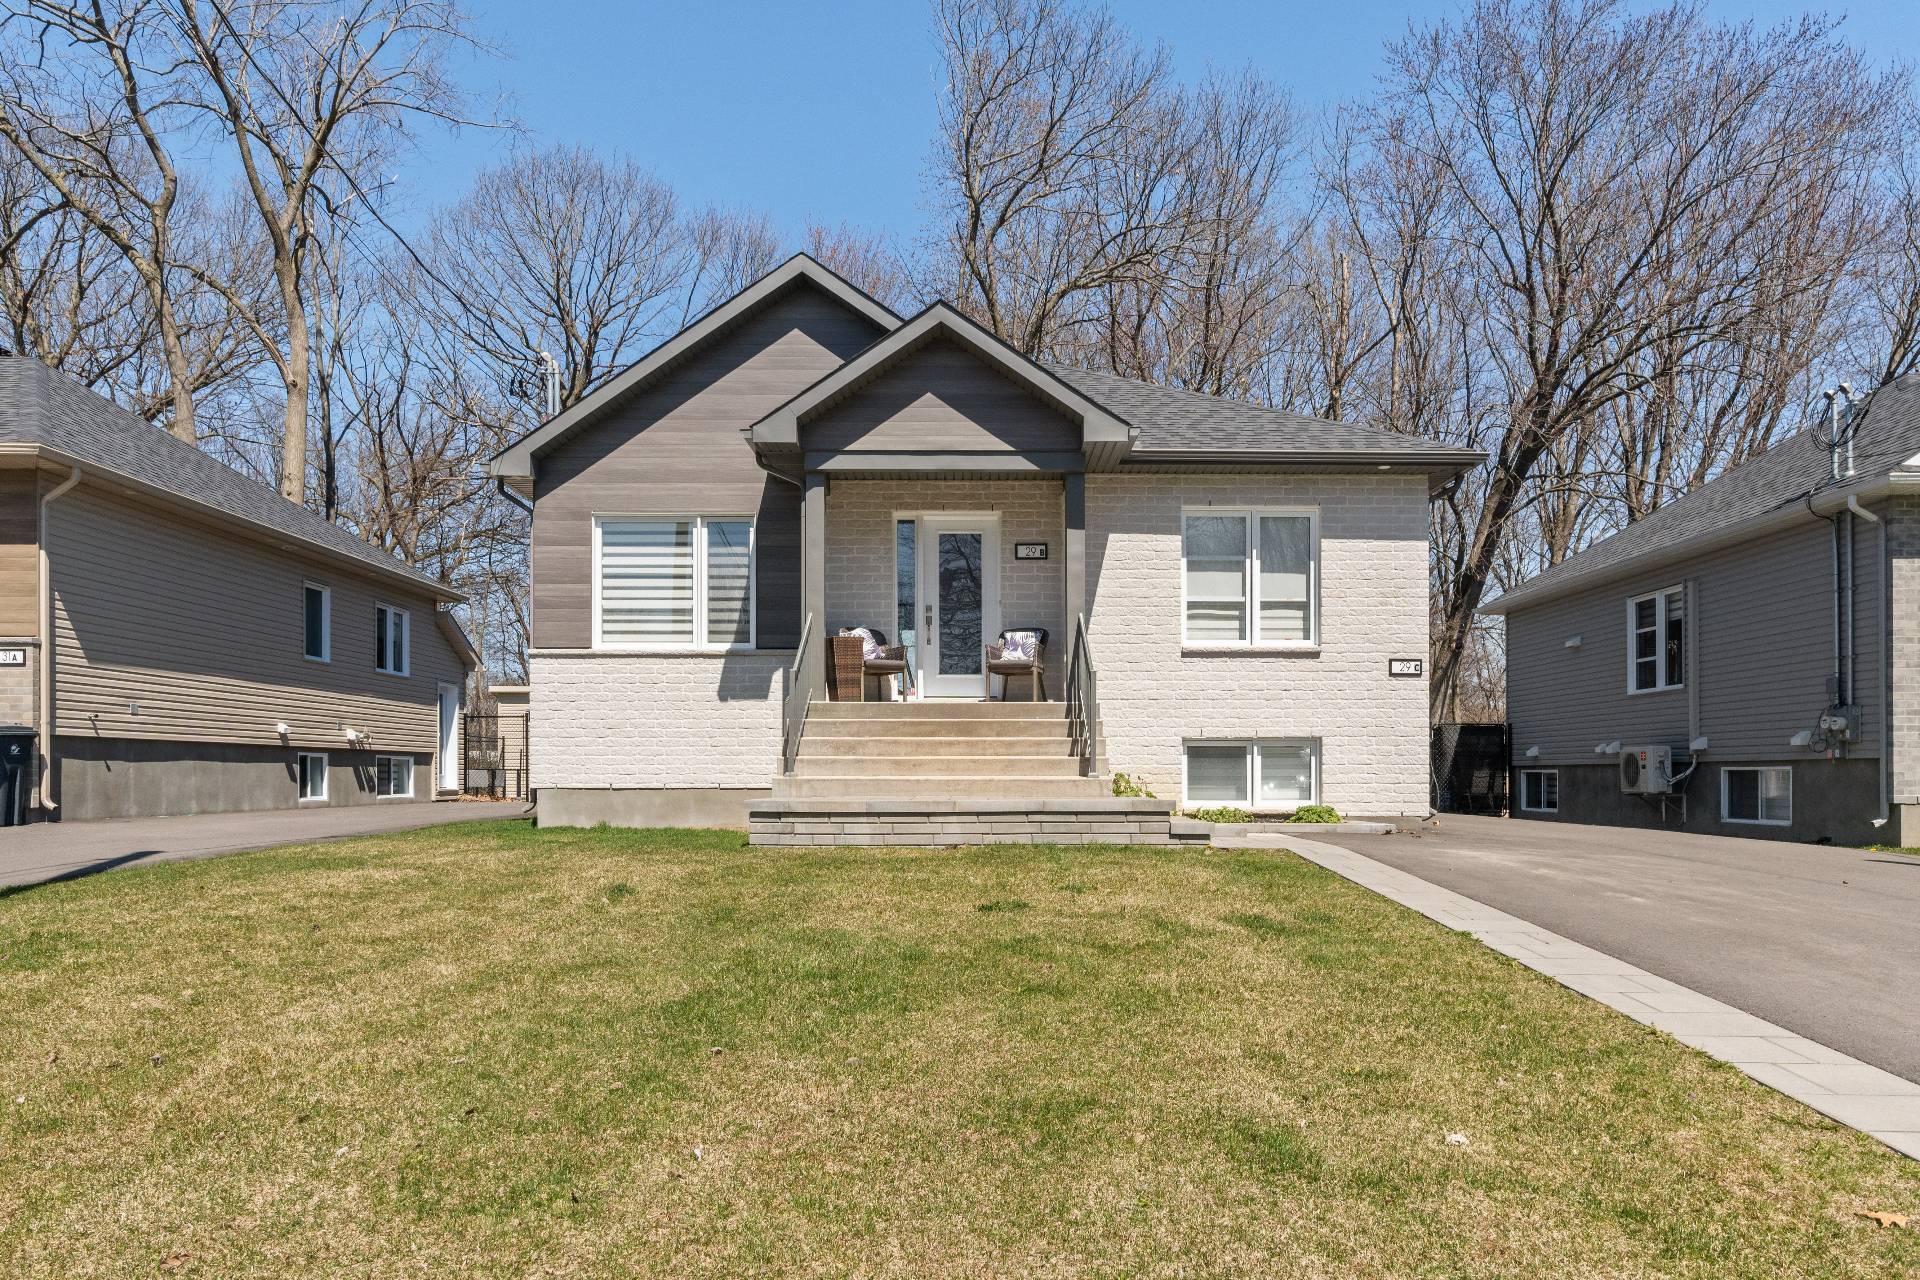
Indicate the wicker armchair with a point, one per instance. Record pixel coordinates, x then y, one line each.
1034 668
848 667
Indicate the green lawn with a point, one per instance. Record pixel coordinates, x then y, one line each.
491 1051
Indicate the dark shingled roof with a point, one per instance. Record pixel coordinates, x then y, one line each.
39 405
1171 420
1887 434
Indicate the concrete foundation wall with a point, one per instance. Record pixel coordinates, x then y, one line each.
1833 800
647 807
121 778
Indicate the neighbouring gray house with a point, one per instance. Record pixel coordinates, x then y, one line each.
1746 659
1233 598
182 639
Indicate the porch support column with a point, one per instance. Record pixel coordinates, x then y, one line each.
813 573
1074 554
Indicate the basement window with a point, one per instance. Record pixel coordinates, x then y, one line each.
393 777
1763 796
1275 774
313 776
1540 790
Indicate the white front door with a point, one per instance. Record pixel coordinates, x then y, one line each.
958 587
449 737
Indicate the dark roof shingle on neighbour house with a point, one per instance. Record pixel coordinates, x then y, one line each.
1887 435
1170 420
41 406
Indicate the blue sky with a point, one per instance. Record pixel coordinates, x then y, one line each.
826 111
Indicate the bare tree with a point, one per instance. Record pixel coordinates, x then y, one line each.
1616 185
870 262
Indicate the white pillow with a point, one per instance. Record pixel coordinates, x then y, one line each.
869 647
1019 646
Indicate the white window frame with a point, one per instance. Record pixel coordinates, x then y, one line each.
1756 821
390 761
699 641
1252 747
385 657
326 621
1542 774
1251 516
301 758
1660 684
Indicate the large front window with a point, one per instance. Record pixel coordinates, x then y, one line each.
1273 775
674 583
1249 577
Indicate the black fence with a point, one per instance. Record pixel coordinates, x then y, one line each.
1469 768
494 755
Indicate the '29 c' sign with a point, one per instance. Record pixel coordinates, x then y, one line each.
1406 666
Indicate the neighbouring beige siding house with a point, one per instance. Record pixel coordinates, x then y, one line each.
184 640
1234 598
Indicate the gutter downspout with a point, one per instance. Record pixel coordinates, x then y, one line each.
1886 662
49 804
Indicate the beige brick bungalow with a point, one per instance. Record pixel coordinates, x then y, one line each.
181 639
1234 599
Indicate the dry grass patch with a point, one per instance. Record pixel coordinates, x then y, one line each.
492 1051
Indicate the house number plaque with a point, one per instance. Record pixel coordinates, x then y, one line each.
13 657
1406 666
1029 551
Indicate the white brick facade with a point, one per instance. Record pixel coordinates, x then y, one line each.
655 720
861 552
1373 600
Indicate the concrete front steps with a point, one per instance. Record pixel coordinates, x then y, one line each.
947 773
920 822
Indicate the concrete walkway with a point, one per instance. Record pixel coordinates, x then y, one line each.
65 850
1876 1102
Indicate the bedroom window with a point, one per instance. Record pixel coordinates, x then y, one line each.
1656 641
673 583
1540 790
313 775
317 606
1763 796
393 777
1249 578
1269 774
392 639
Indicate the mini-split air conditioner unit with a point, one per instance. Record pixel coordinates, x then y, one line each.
1646 771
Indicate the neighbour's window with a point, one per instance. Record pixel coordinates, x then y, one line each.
1656 641
313 775
1762 795
1276 774
1540 790
318 603
391 639
393 775
1249 577
683 582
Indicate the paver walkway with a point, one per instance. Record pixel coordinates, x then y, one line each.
1876 1102
63 850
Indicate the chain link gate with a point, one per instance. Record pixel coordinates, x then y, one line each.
494 755
1470 768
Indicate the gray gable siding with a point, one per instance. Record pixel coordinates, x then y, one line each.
1762 651
940 398
676 448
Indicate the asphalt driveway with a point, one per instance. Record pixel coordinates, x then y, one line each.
1824 941
64 850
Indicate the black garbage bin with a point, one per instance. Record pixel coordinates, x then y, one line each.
16 773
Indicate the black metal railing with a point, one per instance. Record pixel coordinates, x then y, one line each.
1083 698
801 687
494 755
